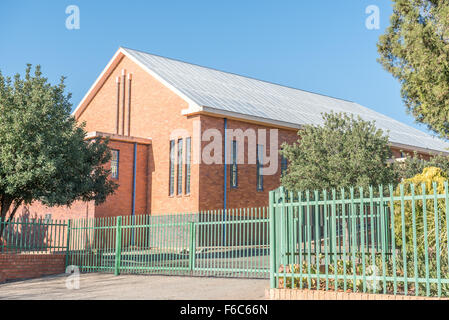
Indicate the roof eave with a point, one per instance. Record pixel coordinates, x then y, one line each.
118 137
242 117
419 149
288 125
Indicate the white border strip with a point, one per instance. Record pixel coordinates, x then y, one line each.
192 104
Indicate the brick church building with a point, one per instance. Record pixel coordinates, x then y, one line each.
162 114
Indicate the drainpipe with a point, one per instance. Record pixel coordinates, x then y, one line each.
225 162
225 186
133 212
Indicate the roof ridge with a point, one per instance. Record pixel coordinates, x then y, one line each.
239 75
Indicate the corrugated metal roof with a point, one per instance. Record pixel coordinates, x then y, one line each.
229 92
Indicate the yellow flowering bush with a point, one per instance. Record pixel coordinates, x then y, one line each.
433 178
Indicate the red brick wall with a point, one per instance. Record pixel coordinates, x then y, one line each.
246 194
77 210
304 294
27 266
156 112
120 203
397 153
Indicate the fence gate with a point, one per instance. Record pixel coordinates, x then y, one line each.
232 243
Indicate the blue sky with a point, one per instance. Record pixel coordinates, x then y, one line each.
321 46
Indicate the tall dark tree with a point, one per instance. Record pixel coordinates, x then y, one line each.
43 152
415 50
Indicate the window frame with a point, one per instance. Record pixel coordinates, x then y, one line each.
284 165
115 163
171 169
188 165
179 165
234 167
259 157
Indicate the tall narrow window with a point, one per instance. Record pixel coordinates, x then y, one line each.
114 163
284 164
234 180
179 188
259 167
172 168
188 144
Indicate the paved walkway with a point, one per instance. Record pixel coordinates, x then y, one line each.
107 286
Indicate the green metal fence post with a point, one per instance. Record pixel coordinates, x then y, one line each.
118 246
272 240
69 222
192 246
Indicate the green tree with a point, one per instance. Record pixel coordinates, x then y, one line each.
43 153
345 151
415 50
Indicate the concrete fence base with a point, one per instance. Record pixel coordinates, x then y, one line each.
304 294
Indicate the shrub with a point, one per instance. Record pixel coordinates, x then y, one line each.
345 151
432 179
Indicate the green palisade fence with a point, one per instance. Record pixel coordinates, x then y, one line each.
378 240
24 235
231 243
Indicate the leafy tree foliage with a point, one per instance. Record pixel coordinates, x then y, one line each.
415 50
43 153
344 152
